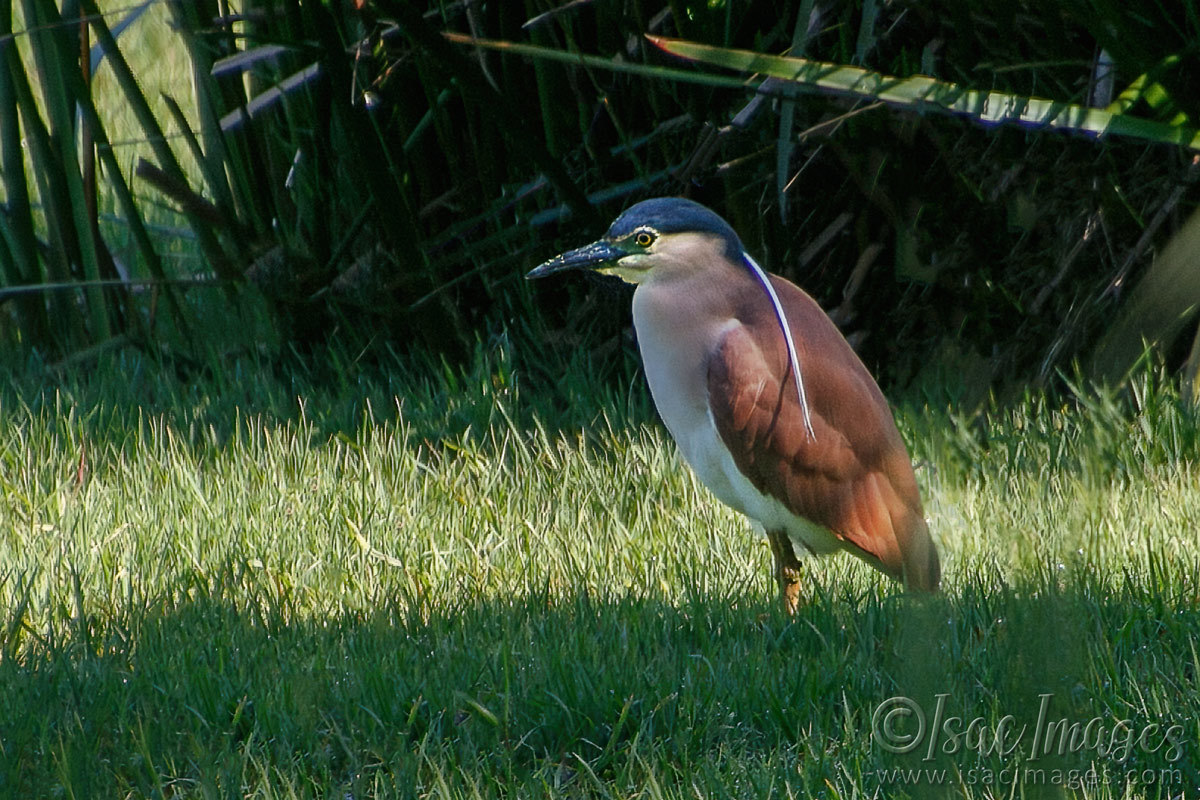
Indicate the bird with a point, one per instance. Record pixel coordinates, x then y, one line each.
768 403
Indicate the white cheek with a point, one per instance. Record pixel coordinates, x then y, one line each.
631 269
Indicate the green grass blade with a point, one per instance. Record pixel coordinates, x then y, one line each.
598 62
96 55
230 156
205 236
785 142
81 100
18 222
273 96
922 93
54 264
19 242
478 91
214 178
57 65
264 596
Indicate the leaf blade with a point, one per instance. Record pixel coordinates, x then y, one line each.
923 93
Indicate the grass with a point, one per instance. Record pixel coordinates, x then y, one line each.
157 56
254 581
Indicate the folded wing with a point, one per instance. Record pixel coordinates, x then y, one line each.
854 476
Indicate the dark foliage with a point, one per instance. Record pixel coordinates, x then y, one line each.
379 181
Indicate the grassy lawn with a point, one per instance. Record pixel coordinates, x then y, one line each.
248 582
242 579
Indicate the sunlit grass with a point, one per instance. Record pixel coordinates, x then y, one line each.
244 582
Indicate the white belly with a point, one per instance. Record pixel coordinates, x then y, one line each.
678 384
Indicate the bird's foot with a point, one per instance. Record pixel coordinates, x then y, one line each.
787 570
789 590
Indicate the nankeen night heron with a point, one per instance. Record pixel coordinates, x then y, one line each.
768 403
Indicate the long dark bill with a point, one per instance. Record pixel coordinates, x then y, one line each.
590 256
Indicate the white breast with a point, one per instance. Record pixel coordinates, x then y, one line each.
674 349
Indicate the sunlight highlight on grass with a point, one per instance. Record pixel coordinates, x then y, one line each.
252 585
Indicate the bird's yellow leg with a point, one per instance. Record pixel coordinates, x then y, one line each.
787 569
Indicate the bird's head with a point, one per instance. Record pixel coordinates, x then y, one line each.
652 239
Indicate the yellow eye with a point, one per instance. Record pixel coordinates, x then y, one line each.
644 239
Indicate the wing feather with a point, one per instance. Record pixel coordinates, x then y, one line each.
854 476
